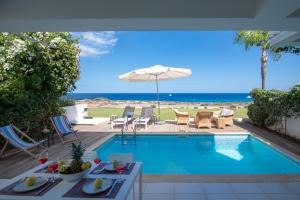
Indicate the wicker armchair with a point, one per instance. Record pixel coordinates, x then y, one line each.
182 117
227 115
203 119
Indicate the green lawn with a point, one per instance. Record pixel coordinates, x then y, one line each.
165 113
241 113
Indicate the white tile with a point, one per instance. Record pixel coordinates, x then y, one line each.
190 188
216 188
190 196
158 197
159 188
273 188
221 197
293 186
252 196
137 187
284 197
130 197
245 188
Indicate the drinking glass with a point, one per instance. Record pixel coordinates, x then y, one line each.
97 161
43 157
120 168
52 168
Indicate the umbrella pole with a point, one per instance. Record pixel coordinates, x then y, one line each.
157 93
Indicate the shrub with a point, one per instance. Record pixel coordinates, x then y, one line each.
256 114
293 100
33 77
272 106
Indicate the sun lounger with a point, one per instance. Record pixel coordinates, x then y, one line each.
203 119
126 117
145 118
63 128
182 117
9 133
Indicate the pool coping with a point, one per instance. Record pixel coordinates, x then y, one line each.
215 177
220 178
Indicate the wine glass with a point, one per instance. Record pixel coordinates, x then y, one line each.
120 168
97 160
52 168
43 157
92 157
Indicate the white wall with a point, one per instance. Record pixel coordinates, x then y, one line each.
293 127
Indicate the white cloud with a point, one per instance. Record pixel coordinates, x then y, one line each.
97 43
106 38
91 51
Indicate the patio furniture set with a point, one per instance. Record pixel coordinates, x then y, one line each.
117 186
205 119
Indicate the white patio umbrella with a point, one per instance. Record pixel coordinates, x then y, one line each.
155 73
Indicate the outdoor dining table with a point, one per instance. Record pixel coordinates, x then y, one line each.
59 190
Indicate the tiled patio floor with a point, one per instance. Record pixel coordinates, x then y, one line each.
221 191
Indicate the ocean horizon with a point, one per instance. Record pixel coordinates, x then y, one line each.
167 97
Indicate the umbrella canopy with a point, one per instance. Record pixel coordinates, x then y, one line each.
155 73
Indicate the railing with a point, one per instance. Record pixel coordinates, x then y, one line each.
125 126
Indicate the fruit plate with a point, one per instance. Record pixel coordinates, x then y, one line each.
74 177
110 167
89 187
23 187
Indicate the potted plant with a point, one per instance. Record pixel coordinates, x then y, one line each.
77 168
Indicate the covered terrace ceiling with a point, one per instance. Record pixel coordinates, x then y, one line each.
99 15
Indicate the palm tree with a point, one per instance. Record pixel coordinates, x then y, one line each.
259 39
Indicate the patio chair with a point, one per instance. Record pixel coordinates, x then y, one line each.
203 119
9 133
182 117
226 115
63 128
125 119
145 117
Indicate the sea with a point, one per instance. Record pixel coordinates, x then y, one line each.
171 97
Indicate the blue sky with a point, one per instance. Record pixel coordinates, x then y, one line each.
217 64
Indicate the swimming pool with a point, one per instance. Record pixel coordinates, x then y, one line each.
202 154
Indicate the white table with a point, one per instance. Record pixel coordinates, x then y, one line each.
59 190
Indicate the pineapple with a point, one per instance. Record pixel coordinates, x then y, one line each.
77 153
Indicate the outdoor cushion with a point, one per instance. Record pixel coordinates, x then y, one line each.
142 119
226 112
129 114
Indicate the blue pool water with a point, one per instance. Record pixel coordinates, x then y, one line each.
202 154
